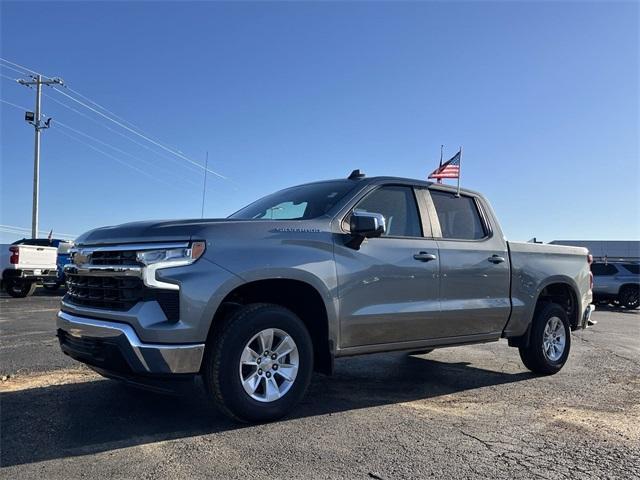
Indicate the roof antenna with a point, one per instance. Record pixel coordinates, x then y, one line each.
204 186
356 175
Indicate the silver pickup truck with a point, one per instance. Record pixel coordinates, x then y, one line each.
256 302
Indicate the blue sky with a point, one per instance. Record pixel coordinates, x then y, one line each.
543 96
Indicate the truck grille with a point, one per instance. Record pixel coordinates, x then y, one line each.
113 293
118 293
118 257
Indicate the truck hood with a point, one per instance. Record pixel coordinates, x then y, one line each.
185 230
150 231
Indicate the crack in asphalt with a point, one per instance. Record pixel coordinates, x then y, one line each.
607 350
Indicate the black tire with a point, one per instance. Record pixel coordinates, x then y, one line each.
629 297
52 287
222 361
533 356
19 288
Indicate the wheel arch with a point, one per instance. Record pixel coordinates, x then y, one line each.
562 292
559 290
628 285
299 296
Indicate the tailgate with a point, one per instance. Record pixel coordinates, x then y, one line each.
32 256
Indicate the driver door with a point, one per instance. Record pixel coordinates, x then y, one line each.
389 288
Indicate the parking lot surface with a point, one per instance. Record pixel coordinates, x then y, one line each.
465 412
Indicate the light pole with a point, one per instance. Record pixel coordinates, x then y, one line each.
35 120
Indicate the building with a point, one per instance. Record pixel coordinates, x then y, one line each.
608 250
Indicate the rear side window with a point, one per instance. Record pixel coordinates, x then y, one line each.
633 268
459 217
603 269
398 206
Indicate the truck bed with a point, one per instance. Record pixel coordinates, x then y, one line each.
535 266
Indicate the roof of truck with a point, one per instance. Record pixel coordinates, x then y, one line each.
362 178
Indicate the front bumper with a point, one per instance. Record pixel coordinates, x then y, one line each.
115 347
30 274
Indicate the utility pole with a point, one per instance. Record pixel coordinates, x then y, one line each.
35 120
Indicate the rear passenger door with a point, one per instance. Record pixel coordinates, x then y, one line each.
474 266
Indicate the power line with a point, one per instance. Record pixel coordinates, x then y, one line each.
119 150
22 67
146 147
126 164
86 135
100 151
148 139
101 142
13 104
8 77
27 230
100 106
11 68
171 150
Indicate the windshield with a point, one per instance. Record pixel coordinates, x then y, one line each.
297 203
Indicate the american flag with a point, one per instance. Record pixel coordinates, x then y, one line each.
448 169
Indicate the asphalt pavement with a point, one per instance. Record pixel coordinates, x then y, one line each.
465 412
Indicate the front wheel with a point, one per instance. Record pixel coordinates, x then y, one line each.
629 297
258 367
550 341
19 288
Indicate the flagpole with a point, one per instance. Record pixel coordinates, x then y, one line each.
441 147
459 171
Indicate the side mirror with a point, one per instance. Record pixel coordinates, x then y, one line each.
365 225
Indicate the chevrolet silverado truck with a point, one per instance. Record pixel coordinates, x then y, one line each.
254 303
24 264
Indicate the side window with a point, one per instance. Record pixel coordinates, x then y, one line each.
398 205
632 267
459 217
603 269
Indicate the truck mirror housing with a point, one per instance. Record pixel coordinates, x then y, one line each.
365 225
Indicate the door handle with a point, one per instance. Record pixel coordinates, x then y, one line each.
496 259
424 256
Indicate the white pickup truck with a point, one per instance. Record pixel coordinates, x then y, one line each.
23 266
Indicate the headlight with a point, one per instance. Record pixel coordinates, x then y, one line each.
169 256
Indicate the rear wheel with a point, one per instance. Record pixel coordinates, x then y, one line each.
550 341
629 297
19 288
259 366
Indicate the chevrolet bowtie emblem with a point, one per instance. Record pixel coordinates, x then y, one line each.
82 257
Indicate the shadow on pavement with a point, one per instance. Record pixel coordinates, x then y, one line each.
39 292
610 307
86 418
